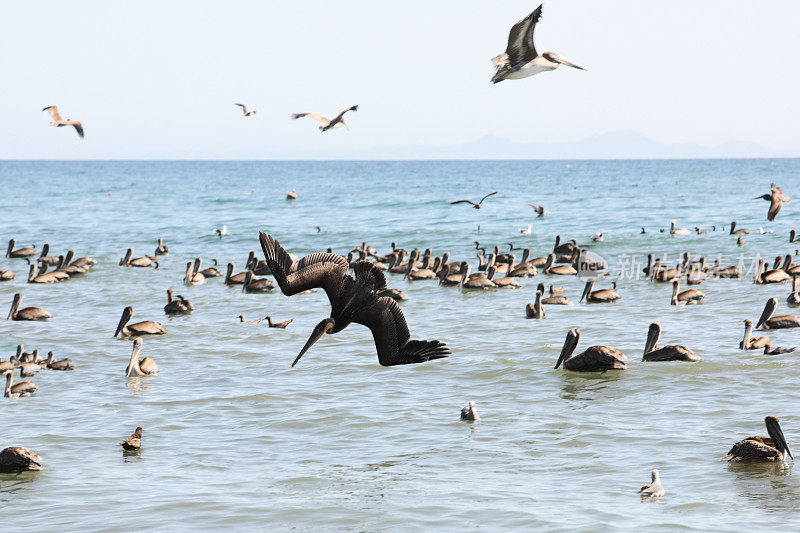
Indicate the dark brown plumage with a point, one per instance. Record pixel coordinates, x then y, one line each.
473 204
134 442
759 449
593 359
16 459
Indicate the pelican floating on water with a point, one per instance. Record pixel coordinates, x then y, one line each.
753 343
140 262
654 488
794 297
520 59
761 449
23 389
337 121
58 122
19 252
147 327
598 296
767 321
15 459
140 367
470 412
593 359
28 313
775 275
255 284
161 249
134 441
775 199
687 297
735 231
63 364
677 231
554 298
535 310
671 352
352 300
559 270
177 306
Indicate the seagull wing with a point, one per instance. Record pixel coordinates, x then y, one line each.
315 116
487 196
520 47
340 115
244 107
470 202
536 208
77 125
53 112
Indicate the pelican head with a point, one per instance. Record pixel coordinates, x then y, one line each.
127 313
14 305
586 290
776 434
11 245
319 330
653 334
553 57
125 260
769 309
570 344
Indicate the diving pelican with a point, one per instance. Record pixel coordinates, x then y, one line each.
593 359
473 204
19 252
778 322
28 313
753 343
671 352
775 199
279 325
134 442
760 449
677 231
147 327
23 389
327 124
245 112
470 412
520 59
599 296
178 305
136 262
535 310
735 231
16 459
58 122
654 488
140 367
687 297
352 300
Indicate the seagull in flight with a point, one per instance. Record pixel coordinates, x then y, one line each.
245 112
327 124
58 121
539 210
473 204
521 59
775 199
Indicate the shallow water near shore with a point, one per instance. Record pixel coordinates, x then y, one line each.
235 438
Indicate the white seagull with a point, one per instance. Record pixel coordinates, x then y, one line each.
245 112
58 121
327 124
520 59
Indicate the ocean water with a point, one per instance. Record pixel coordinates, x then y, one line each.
234 438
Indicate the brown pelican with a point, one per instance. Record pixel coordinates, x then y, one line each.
560 270
138 261
470 412
52 110
539 210
192 276
793 236
503 283
523 269
280 325
520 59
69 267
677 231
794 298
140 367
671 352
775 199
775 275
599 296
687 297
234 279
256 284
28 313
778 322
6 275
327 124
16 459
161 249
134 442
45 259
19 252
769 350
700 231
735 231
177 306
147 327
753 343
535 310
210 272
45 277
553 299
477 281
567 248
63 364
23 389
654 488
473 204
352 300
84 262
245 112
455 279
760 449
593 359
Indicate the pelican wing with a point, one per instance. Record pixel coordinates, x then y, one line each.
53 112
16 458
371 274
470 202
392 339
315 116
520 47
775 204
752 449
323 270
597 358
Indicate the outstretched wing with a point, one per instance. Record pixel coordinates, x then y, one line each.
340 115
322 270
520 47
470 202
244 107
371 275
775 205
392 340
78 127
487 196
53 112
536 208
315 116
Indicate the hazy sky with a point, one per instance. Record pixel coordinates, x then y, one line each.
158 79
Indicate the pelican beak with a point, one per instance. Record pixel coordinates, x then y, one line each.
14 306
569 346
586 289
127 313
564 61
769 309
776 433
319 330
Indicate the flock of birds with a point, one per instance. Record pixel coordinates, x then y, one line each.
364 297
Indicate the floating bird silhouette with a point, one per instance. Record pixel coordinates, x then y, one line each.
671 352
593 359
16 459
138 366
148 327
134 442
473 204
778 322
469 412
521 59
539 210
352 300
326 123
280 325
245 112
58 121
23 389
654 488
775 199
759 449
28 313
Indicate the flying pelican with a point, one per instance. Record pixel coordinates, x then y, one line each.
778 322
280 325
654 488
23 389
178 305
473 204
140 367
134 442
147 327
161 249
520 59
593 359
775 199
58 121
760 449
671 352
539 210
535 310
327 124
735 231
136 262
245 112
599 296
687 297
19 252
28 313
753 343
352 300
63 364
677 231
470 412
16 459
